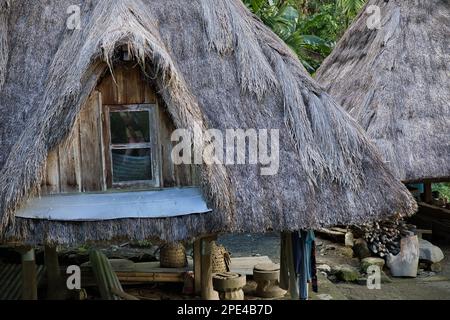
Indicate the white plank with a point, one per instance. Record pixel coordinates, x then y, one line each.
116 205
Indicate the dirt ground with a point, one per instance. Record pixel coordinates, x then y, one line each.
427 286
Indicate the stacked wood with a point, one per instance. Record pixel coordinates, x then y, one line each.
383 237
334 234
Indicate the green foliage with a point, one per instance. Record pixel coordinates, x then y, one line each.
350 7
310 28
443 189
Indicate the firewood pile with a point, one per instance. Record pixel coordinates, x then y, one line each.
383 237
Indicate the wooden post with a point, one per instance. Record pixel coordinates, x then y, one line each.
198 266
428 193
208 292
54 280
29 281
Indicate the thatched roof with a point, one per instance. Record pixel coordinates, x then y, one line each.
395 82
214 62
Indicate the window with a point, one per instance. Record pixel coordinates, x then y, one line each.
132 145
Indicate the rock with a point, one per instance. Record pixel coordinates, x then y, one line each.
361 249
349 240
383 279
332 278
424 265
324 268
367 262
345 272
406 262
362 281
346 252
430 252
436 267
425 274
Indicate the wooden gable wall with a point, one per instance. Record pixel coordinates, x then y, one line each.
80 163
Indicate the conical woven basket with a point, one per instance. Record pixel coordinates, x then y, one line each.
220 258
173 255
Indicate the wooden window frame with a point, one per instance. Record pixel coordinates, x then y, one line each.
153 145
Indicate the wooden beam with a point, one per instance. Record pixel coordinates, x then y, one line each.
29 281
129 277
198 266
54 280
208 292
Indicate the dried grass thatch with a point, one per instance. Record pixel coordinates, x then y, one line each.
4 11
213 62
395 82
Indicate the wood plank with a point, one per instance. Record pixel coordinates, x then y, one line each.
91 157
51 183
69 162
149 92
127 86
150 277
104 148
166 129
108 89
106 139
133 85
121 92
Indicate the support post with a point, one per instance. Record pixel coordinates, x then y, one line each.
29 281
54 280
428 193
208 292
198 266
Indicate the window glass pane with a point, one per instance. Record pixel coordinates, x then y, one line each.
129 127
131 165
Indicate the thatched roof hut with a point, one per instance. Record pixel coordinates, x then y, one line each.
211 62
395 81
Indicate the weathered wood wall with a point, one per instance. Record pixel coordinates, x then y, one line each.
80 163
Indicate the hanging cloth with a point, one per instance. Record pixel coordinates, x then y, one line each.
288 276
314 283
303 246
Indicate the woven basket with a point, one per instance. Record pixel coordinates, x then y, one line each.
220 258
173 255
